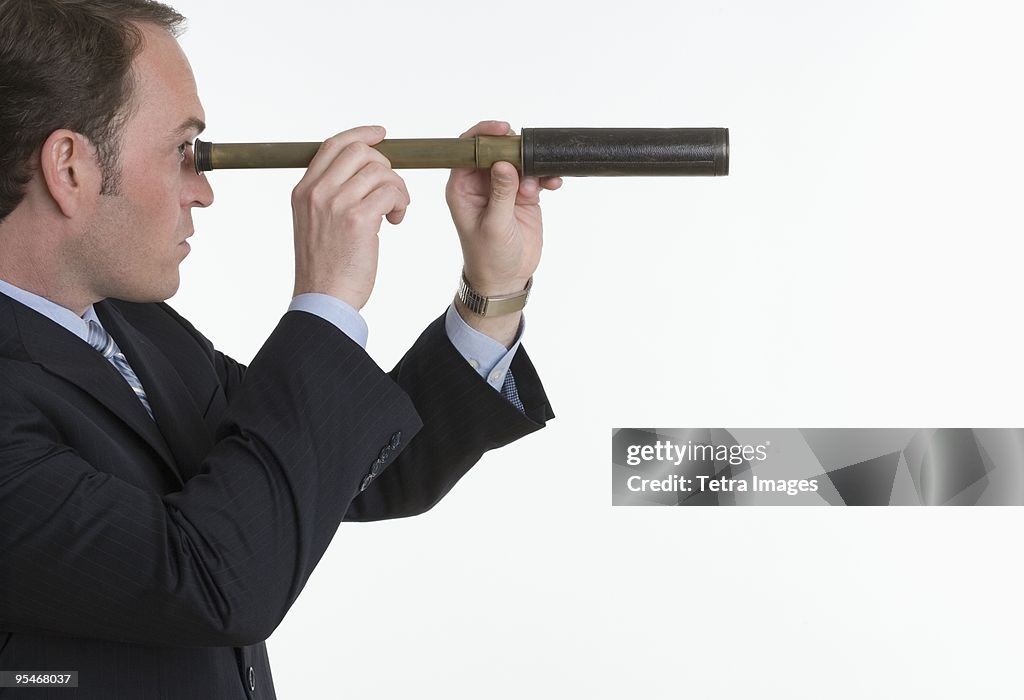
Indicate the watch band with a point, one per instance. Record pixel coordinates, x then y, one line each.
492 306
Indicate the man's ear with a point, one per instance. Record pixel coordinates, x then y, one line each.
71 171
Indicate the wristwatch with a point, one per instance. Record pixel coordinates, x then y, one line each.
492 306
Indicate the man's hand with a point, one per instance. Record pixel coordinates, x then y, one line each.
337 209
498 220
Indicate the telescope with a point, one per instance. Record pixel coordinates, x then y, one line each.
546 152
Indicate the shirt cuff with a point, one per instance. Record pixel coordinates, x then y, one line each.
335 311
486 355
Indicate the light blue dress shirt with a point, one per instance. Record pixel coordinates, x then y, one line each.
487 356
79 325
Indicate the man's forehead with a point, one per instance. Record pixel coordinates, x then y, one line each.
165 84
161 53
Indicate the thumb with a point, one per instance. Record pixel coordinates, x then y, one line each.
504 186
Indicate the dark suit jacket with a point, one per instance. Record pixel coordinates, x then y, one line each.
155 559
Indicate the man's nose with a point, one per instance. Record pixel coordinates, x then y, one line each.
202 192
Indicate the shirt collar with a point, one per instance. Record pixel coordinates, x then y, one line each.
78 325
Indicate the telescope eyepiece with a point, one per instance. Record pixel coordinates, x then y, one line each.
201 155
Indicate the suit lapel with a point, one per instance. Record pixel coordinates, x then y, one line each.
174 409
65 355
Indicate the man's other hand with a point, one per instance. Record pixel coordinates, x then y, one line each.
337 208
498 220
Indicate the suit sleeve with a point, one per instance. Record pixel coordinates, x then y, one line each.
218 563
463 417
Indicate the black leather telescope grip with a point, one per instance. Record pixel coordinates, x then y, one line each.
586 152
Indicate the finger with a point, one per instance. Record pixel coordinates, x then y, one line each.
332 147
386 201
487 128
504 185
396 215
372 176
529 186
351 175
533 185
471 177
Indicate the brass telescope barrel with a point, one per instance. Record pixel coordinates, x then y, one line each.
538 152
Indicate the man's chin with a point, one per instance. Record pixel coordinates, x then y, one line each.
150 295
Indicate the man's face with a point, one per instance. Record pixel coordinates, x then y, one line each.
136 241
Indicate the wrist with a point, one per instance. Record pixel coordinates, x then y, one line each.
502 329
495 289
356 300
494 286
491 304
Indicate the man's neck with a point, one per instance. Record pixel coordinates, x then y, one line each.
77 308
32 272
34 256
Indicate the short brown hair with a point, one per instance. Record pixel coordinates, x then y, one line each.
66 64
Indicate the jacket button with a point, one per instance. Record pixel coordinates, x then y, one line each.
396 440
378 465
385 453
252 679
366 482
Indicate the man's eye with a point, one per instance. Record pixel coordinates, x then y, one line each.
183 149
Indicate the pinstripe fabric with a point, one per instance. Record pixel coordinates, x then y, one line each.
154 556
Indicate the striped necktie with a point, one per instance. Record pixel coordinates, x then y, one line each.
101 340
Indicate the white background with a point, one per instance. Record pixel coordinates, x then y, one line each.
859 267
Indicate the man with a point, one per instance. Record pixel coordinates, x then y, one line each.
161 506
